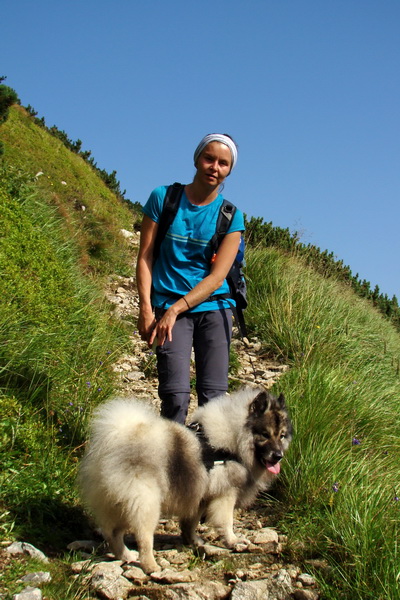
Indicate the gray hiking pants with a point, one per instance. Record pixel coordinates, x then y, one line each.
209 333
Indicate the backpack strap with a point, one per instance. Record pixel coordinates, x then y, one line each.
170 208
225 216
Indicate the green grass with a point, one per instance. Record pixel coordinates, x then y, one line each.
69 183
341 480
57 346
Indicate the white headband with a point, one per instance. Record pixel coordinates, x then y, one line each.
217 137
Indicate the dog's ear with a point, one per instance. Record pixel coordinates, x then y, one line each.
260 404
281 401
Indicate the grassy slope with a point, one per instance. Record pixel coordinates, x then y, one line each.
95 229
341 479
341 482
57 341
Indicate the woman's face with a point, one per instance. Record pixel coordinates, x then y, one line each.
214 164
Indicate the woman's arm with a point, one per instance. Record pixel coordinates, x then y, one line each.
144 268
225 256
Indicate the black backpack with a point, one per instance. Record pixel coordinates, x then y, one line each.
235 277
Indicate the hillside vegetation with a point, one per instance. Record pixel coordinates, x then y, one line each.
58 243
92 214
338 497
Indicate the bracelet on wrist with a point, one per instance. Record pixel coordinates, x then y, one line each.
187 303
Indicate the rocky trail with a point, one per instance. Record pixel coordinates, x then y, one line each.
254 570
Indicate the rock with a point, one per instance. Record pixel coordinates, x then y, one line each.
136 574
170 576
306 580
107 580
268 539
126 234
266 535
28 549
278 587
253 548
29 593
163 562
293 572
251 590
208 590
134 376
114 567
81 566
281 585
256 566
36 578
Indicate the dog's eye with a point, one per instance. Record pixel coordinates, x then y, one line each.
283 435
265 435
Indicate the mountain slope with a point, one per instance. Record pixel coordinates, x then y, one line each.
338 494
91 213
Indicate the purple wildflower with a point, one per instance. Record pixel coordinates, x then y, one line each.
355 442
335 487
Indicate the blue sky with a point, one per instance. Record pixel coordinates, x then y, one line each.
309 89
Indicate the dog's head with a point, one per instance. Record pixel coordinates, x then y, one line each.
271 429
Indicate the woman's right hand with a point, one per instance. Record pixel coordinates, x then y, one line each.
146 324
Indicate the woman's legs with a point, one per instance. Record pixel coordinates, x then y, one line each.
173 366
210 334
211 342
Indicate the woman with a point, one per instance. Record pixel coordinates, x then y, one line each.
181 282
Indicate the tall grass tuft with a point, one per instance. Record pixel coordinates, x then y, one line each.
341 480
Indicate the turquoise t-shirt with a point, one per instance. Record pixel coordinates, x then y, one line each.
185 253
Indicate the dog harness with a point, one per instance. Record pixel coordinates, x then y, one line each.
211 456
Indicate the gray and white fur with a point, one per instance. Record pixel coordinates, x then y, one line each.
139 467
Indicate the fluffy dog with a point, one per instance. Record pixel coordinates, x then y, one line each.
139 466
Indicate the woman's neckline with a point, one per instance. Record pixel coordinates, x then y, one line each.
203 203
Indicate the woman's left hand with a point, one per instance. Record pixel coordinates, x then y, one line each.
162 332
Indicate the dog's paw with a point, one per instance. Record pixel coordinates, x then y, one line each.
197 541
130 556
233 540
241 545
242 540
149 566
192 540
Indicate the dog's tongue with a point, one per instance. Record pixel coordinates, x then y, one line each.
275 469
